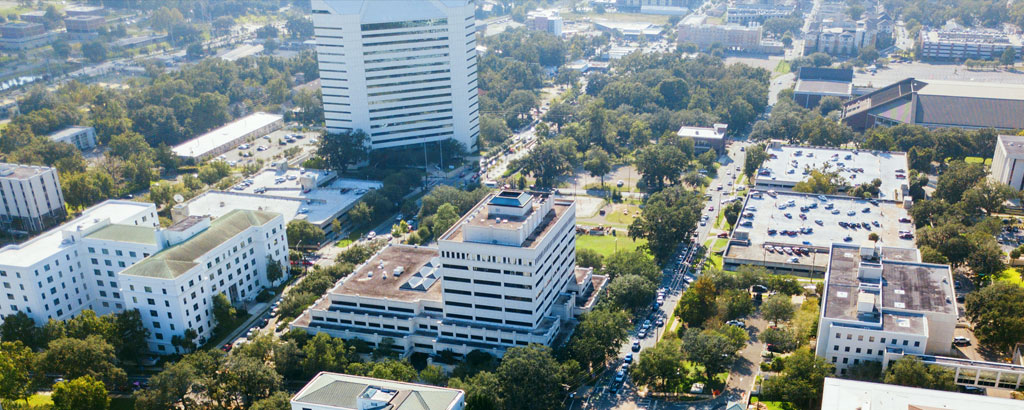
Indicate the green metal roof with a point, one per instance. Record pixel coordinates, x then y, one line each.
176 260
126 233
342 391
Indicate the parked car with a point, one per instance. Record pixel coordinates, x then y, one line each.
961 341
636 346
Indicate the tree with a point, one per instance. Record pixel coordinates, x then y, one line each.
244 380
732 212
130 335
911 371
164 18
783 339
303 233
997 312
61 49
433 374
277 401
446 217
660 367
777 308
274 270
299 27
709 348
16 366
185 341
821 181
957 179
549 160
483 391
631 262
697 303
195 51
755 157
75 358
530 378
801 380
19 327
210 110
95 51
829 104
326 353
340 150
267 31
667 216
631 292
988 196
223 312
598 336
734 304
589 258
1009 57
83 393
660 162
598 163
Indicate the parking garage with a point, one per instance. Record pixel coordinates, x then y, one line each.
791 232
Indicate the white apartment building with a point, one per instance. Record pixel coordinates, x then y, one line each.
30 198
503 276
115 258
879 299
402 71
1008 161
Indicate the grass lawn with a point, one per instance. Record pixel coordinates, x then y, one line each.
782 68
606 245
779 405
978 160
1010 275
618 218
344 242
37 400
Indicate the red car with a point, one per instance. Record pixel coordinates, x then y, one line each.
227 347
723 235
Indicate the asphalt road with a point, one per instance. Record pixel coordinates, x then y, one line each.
598 395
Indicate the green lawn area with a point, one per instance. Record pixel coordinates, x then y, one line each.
37 400
607 244
777 405
782 68
344 242
978 160
1010 275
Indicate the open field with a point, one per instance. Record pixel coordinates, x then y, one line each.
607 244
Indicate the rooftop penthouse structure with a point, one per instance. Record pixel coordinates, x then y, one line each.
503 275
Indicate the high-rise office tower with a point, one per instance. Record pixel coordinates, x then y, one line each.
403 71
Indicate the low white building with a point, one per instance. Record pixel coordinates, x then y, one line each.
31 199
705 138
230 135
115 257
336 391
879 299
81 137
503 276
788 165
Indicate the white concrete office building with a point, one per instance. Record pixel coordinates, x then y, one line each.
83 138
403 71
879 299
30 198
115 258
503 276
1008 161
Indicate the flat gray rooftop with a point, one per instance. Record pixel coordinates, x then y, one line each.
1013 144
760 215
786 165
824 87
908 289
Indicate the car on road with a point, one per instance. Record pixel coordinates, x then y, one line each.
736 322
636 346
620 376
660 322
629 358
227 347
642 334
961 341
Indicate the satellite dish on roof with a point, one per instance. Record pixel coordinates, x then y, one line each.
178 198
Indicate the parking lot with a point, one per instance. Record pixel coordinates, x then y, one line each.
768 224
930 71
787 165
270 149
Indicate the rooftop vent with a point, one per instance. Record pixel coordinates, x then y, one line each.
842 294
899 305
900 292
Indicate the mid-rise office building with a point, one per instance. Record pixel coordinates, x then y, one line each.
744 14
879 299
115 257
840 394
21 35
961 43
30 198
404 72
695 30
336 391
502 276
83 26
1008 161
546 20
